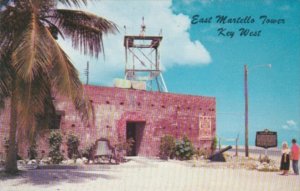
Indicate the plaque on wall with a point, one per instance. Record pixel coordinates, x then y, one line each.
205 127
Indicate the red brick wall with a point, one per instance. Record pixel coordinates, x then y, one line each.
163 113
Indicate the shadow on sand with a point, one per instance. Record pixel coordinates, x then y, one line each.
52 176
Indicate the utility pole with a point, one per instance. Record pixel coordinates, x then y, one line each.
246 103
246 110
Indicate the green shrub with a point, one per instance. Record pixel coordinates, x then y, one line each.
73 144
87 152
55 141
214 144
201 153
125 145
184 149
167 147
32 152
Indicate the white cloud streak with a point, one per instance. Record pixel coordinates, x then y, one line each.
290 125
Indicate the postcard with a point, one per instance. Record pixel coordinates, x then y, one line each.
159 95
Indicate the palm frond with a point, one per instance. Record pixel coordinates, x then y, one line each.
32 96
54 30
73 2
5 78
65 79
45 119
85 29
12 22
31 56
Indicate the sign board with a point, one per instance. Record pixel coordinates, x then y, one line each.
266 139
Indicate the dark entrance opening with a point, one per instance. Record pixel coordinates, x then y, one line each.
135 131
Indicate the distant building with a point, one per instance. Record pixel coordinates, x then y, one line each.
121 113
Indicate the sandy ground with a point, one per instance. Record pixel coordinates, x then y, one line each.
141 174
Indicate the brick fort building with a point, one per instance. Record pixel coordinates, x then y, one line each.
123 113
128 110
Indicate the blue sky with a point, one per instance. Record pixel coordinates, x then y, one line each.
274 94
196 60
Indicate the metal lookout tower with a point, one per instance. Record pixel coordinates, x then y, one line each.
142 60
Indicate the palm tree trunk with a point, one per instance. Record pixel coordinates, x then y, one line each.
11 158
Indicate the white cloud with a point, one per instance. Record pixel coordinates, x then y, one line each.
290 125
176 47
285 127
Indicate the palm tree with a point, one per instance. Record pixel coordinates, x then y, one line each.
33 64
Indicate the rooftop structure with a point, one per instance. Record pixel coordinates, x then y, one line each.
142 60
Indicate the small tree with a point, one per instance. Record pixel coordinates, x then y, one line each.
167 147
55 140
184 149
73 144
